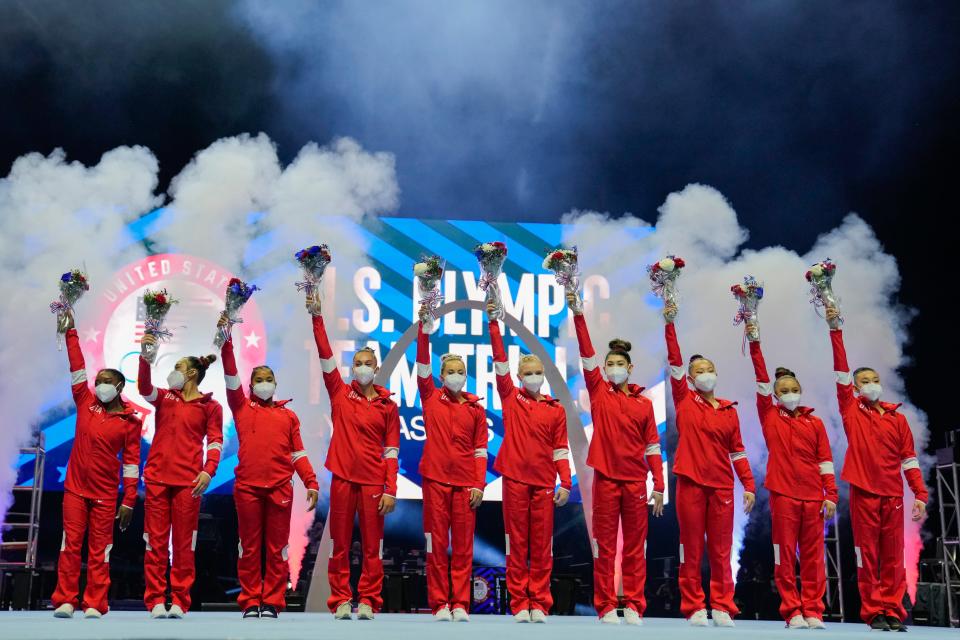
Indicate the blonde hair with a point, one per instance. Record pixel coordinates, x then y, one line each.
525 358
450 356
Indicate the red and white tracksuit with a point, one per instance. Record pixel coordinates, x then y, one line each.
879 445
363 458
625 445
709 442
174 461
90 489
533 453
271 449
454 461
799 478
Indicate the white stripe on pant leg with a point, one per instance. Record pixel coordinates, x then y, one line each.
644 549
239 548
381 548
63 541
106 553
285 553
507 538
429 537
595 547
193 542
856 550
776 554
681 553
332 547
551 546
146 539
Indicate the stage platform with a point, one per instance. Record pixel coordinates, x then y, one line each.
37 625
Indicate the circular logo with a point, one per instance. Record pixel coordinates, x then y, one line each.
199 285
481 589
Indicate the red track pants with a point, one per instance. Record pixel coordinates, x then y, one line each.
95 518
798 523
166 508
703 510
347 499
528 523
613 501
448 520
878 535
263 522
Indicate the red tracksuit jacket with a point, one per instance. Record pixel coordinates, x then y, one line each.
799 464
270 444
624 429
455 452
100 437
366 433
879 446
534 449
709 438
176 454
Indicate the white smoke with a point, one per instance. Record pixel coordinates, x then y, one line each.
57 215
699 225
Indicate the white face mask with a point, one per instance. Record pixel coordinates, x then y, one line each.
454 381
106 392
176 380
617 375
363 374
264 390
871 391
705 382
533 383
790 401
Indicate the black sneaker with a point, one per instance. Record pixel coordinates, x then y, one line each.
896 625
266 611
879 623
251 612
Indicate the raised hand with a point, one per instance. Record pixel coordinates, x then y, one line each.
669 311
313 303
574 303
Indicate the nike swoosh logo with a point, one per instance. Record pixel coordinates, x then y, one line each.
898 506
727 501
284 501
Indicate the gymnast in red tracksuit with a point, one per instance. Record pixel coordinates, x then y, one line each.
176 476
533 453
107 439
709 431
454 470
625 445
879 445
363 458
803 491
271 449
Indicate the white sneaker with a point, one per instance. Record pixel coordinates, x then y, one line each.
814 623
63 611
523 616
722 618
460 615
630 616
443 615
610 617
158 611
344 611
537 616
698 619
92 613
175 612
364 612
797 622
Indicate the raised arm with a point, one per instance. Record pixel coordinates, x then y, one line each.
331 374
588 356
678 374
235 395
842 370
301 463
827 475
424 369
764 386
78 369
500 364
214 438
391 451
145 384
131 463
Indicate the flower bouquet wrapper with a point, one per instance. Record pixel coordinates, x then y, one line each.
157 304
314 261
748 295
237 294
663 278
428 272
490 257
73 284
565 266
822 297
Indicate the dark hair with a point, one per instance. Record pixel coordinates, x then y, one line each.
620 347
201 364
694 358
860 370
115 374
783 371
260 368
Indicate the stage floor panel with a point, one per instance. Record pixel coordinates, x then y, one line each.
126 625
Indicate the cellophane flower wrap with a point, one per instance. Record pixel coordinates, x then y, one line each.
820 277
491 256
663 278
428 272
313 260
748 294
565 266
73 284
156 304
238 292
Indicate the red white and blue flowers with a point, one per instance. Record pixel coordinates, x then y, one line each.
238 292
491 256
313 260
156 304
428 273
748 294
565 266
820 277
73 284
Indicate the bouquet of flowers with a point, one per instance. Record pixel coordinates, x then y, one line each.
563 263
313 260
157 304
428 272
238 292
73 284
749 294
663 278
820 277
491 256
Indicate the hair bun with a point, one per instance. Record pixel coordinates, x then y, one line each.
207 360
619 344
696 357
783 371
